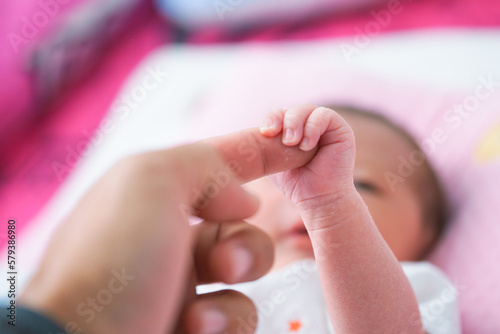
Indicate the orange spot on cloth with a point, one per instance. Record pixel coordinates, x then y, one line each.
294 326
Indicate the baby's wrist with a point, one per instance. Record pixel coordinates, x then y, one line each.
329 210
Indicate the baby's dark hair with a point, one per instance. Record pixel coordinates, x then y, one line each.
433 200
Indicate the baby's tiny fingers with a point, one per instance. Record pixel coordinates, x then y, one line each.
272 124
293 124
315 126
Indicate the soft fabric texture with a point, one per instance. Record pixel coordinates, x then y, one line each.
28 179
290 300
195 14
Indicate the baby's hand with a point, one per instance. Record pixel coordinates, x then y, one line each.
317 186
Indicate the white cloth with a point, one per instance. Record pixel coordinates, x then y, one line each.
290 300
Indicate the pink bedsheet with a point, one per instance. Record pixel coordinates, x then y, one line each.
415 14
29 176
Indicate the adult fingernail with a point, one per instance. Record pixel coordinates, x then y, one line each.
242 261
288 136
213 321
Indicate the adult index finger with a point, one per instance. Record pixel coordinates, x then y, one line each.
251 155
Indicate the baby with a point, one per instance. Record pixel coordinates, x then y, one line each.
319 213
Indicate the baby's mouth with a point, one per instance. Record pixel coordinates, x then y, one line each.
299 230
299 237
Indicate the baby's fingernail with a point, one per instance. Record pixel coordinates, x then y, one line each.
242 261
268 124
213 321
304 145
288 136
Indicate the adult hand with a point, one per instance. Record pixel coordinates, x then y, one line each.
126 261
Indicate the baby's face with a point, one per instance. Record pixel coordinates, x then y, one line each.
396 210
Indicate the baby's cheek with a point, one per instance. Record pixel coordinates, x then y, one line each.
408 235
269 198
396 222
262 188
261 220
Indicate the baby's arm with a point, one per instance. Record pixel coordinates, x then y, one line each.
366 290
